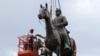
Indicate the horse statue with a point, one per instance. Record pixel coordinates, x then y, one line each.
53 40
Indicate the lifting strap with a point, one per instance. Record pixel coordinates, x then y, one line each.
54 3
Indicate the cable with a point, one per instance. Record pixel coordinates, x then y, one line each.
59 4
55 4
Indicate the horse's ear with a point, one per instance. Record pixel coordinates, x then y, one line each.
46 5
41 6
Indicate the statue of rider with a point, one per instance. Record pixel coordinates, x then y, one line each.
59 23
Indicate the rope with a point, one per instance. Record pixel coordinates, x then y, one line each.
59 4
41 24
51 10
53 7
55 4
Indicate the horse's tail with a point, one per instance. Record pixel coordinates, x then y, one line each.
74 48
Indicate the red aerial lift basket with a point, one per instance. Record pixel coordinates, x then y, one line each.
21 52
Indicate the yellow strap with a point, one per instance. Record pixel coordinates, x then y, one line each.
48 50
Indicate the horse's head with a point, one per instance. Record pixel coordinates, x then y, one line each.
43 12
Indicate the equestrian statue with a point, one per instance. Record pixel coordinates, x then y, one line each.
57 39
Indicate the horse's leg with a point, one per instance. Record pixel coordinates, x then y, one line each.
58 51
50 54
46 54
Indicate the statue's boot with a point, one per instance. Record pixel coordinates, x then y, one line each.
67 47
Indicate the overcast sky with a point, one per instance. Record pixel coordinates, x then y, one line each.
18 16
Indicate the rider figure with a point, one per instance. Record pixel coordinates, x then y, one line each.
60 22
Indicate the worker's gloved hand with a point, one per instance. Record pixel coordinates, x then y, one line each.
43 53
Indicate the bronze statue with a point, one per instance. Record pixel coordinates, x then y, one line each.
52 41
55 32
